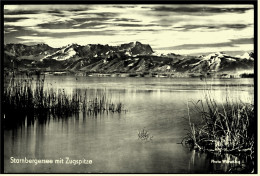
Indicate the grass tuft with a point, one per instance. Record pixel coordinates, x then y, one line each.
144 135
227 127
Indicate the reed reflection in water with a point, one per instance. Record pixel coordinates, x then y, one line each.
110 140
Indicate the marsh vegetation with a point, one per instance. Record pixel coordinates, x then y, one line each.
228 127
26 97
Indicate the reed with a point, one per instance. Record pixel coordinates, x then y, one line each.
26 96
101 103
227 127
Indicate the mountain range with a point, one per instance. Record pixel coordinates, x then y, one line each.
133 57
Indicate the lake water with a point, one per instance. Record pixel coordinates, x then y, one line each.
157 105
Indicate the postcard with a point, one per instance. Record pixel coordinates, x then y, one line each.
129 88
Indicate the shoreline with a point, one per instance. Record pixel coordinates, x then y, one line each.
220 75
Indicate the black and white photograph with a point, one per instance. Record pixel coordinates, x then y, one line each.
129 88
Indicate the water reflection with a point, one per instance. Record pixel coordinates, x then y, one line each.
222 162
111 139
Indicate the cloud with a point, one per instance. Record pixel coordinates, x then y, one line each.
126 20
62 30
239 49
104 15
20 12
94 25
14 19
217 26
201 10
243 41
33 38
30 20
80 39
21 9
162 26
231 44
135 25
124 6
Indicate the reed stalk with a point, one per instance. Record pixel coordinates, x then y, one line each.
223 127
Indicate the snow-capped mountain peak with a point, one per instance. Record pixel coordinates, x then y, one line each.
246 56
64 53
215 55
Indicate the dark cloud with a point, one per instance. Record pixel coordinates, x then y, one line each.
11 35
71 24
21 12
48 9
81 23
14 19
196 46
79 10
55 25
105 14
124 6
54 11
148 26
236 26
134 25
83 34
62 35
91 25
243 41
6 27
126 19
96 19
198 10
222 26
231 43
60 15
142 30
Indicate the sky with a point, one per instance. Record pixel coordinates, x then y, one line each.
181 29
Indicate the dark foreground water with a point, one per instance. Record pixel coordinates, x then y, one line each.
109 142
